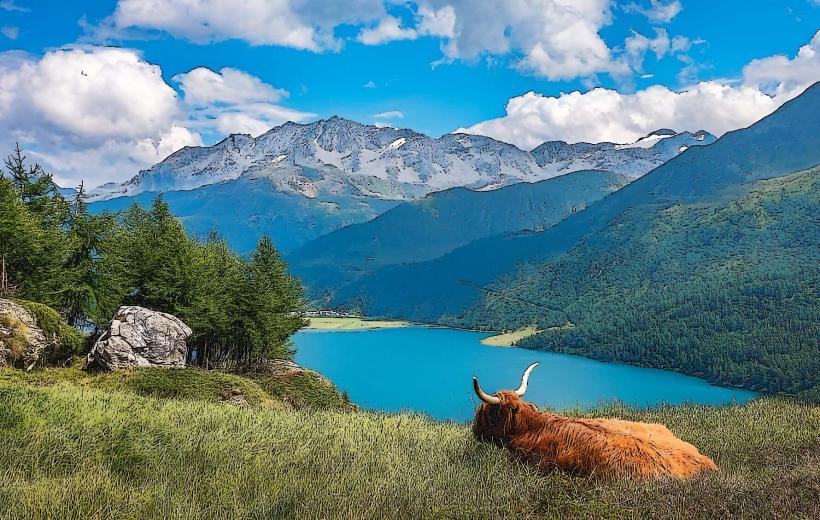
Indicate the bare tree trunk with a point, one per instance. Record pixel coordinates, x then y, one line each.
4 280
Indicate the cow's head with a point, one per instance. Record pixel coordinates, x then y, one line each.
504 413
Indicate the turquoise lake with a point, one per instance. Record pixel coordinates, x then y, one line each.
429 370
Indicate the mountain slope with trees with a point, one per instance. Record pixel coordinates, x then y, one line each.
443 221
724 289
248 208
780 144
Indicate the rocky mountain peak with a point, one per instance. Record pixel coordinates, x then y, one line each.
388 162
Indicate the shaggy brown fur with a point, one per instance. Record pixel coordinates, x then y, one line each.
605 447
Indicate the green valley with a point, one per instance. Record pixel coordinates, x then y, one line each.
441 222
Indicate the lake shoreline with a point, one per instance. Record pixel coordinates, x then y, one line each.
497 339
509 339
374 366
363 323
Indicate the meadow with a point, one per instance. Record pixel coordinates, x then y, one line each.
509 339
167 444
353 323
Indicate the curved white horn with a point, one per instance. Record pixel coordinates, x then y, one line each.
489 399
525 379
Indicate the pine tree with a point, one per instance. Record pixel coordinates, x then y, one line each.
36 188
279 299
23 245
79 207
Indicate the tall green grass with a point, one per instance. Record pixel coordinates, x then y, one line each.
71 450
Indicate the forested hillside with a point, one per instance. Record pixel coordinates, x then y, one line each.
248 208
435 225
725 289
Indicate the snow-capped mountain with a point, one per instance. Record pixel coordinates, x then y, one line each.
633 159
336 156
308 159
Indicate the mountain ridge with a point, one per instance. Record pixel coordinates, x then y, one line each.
410 164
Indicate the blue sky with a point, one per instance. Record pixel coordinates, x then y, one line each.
434 66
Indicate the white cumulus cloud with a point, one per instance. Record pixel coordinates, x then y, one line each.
254 118
637 45
232 101
607 115
657 11
784 76
202 86
388 29
96 113
441 22
553 39
556 39
305 24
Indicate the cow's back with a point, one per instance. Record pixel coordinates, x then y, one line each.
612 447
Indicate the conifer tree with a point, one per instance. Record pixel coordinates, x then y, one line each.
36 188
279 300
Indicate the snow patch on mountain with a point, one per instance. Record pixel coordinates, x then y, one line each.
650 140
633 159
397 143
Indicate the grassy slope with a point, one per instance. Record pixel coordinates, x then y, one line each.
306 390
71 451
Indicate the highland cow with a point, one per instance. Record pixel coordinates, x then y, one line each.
587 447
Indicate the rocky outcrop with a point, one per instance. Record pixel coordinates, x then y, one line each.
139 337
22 341
284 369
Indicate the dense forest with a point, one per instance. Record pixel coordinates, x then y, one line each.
724 288
55 253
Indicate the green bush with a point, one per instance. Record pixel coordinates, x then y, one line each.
306 390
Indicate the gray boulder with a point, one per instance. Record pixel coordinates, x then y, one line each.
139 337
22 341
